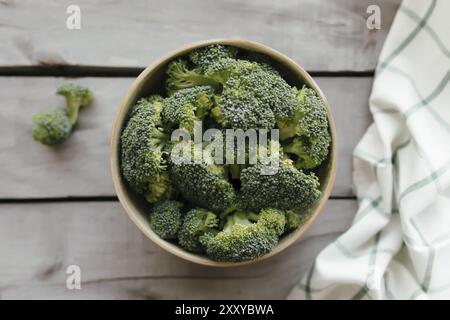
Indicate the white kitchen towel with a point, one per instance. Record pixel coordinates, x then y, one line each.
398 246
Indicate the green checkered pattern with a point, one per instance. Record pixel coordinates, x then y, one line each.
398 246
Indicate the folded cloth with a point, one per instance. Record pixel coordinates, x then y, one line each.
398 246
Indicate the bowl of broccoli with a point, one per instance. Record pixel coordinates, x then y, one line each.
223 152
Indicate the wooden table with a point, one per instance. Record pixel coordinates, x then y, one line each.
58 206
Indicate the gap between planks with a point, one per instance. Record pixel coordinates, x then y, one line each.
123 72
100 199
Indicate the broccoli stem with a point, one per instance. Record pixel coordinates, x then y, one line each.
73 109
194 79
235 170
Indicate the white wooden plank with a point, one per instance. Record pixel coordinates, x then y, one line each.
80 167
38 241
348 99
320 35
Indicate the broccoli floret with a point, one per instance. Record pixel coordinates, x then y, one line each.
187 105
76 97
143 150
242 110
288 188
250 95
295 220
54 126
196 223
166 219
205 57
308 131
244 239
263 60
253 97
203 184
179 76
51 127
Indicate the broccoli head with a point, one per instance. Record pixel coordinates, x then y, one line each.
249 94
179 76
187 105
288 188
196 223
76 97
143 144
252 96
307 132
203 184
295 219
205 57
166 219
52 127
245 236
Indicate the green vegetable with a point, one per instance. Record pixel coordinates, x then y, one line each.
203 184
235 211
51 127
166 219
196 223
54 126
248 94
289 188
295 219
187 105
76 97
308 131
143 151
244 239
206 57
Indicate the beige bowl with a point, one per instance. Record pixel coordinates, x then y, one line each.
151 81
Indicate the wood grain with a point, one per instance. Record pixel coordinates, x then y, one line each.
39 241
319 35
80 167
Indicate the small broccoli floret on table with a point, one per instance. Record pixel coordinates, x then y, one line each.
245 236
166 219
187 105
288 188
196 223
307 132
143 153
52 127
76 97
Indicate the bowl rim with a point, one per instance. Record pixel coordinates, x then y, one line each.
129 97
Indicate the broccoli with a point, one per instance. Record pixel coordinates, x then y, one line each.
263 60
244 239
307 131
227 211
51 127
249 95
179 76
143 150
206 57
76 98
295 220
196 223
54 126
288 188
203 184
166 219
187 105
